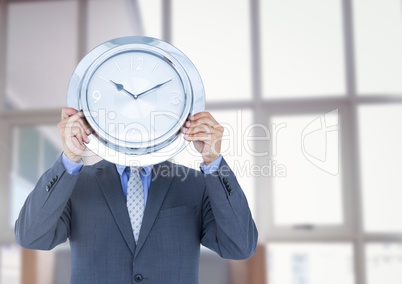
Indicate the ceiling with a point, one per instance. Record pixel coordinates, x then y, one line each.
43 45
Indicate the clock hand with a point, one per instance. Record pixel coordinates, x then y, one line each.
120 87
153 88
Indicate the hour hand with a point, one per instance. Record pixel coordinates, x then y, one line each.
120 87
153 88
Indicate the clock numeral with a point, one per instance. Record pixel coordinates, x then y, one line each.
112 128
176 99
155 67
104 79
140 63
96 95
133 133
117 65
153 130
170 115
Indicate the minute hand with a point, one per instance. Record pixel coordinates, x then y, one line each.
153 88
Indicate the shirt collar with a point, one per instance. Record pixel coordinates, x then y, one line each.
145 170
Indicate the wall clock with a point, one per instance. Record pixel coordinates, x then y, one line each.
136 93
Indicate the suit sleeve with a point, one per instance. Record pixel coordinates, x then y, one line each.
228 226
44 220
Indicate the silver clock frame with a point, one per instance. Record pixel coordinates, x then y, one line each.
127 152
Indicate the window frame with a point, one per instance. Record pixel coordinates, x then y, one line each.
352 232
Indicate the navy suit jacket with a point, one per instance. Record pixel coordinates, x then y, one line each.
184 208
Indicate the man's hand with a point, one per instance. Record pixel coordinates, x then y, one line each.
74 131
206 134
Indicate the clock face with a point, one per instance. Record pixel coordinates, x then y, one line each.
136 98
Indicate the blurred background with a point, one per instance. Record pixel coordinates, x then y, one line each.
309 92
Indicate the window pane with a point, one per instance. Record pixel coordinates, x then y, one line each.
109 19
28 160
380 136
378 31
235 149
384 263
10 264
35 150
50 152
310 264
302 48
151 16
308 191
215 36
41 53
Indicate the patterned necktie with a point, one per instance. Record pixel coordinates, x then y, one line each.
135 200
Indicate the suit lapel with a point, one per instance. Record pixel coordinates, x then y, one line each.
109 182
162 176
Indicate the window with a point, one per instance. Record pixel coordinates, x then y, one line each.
109 19
380 137
151 17
302 48
40 56
378 46
310 263
10 264
309 192
384 263
236 148
218 46
309 93
35 150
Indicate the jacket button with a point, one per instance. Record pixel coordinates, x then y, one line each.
138 278
49 186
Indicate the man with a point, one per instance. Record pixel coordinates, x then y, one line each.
183 208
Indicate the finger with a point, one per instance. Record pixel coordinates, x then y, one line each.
77 117
198 137
74 131
77 127
199 115
216 130
75 146
82 134
198 129
80 119
84 125
67 112
70 120
202 120
71 132
79 137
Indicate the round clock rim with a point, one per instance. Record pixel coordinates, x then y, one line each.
142 156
